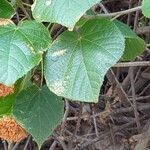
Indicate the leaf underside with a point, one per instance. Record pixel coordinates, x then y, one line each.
64 12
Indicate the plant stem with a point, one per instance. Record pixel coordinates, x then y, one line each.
28 5
49 26
42 72
136 18
133 64
52 27
10 145
103 8
134 100
148 45
119 13
20 4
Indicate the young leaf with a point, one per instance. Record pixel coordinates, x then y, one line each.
39 111
146 8
21 49
65 12
77 61
134 45
6 10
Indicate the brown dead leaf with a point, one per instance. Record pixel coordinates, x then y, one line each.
105 114
144 138
5 90
10 130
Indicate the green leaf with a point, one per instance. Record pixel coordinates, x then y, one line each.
81 22
21 49
77 61
90 12
38 111
134 45
6 10
146 8
26 81
6 104
65 12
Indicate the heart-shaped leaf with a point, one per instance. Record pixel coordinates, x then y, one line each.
134 45
77 61
6 10
21 49
65 12
146 8
38 111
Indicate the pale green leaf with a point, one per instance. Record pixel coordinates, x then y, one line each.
21 49
38 111
146 8
77 61
65 12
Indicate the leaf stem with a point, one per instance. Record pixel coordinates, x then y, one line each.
51 29
42 72
49 26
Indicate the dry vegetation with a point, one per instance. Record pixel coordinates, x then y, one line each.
121 118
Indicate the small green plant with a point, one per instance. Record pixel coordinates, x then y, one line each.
42 70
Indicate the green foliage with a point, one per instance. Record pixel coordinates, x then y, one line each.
146 8
6 104
134 45
77 61
65 12
6 10
81 22
39 111
21 49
